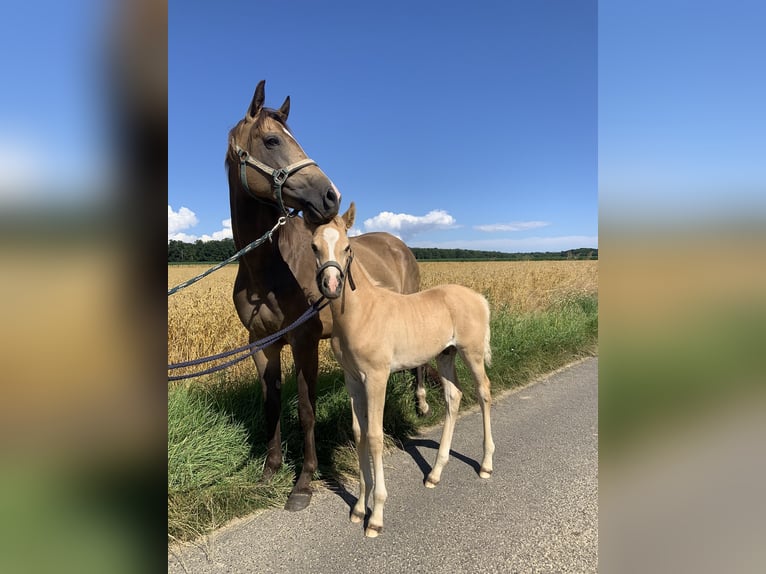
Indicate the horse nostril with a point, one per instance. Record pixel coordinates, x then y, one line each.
330 198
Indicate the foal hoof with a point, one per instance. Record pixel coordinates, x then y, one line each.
356 517
373 531
297 501
424 412
484 473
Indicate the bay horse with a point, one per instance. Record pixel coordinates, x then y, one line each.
376 331
268 173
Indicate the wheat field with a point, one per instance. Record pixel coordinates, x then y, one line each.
202 320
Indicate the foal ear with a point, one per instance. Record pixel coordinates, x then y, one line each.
284 111
258 98
348 217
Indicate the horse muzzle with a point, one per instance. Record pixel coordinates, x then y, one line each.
330 278
319 208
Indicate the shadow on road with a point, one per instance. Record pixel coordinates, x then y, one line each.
411 448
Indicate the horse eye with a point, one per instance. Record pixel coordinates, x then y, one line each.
271 141
314 248
347 249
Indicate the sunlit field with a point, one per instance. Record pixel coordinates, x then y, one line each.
202 320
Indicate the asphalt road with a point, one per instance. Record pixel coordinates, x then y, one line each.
537 513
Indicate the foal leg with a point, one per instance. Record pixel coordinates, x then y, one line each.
376 398
268 363
359 424
306 356
445 363
475 362
420 391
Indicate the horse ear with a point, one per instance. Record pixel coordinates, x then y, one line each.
284 111
258 98
348 217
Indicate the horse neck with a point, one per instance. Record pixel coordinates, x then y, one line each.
354 304
250 220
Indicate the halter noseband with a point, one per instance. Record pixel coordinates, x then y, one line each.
278 175
343 272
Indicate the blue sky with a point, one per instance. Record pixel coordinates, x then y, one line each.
489 113
52 101
467 125
682 119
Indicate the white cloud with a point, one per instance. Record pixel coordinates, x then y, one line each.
224 233
185 218
179 220
513 226
405 225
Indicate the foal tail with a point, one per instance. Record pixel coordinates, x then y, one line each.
487 348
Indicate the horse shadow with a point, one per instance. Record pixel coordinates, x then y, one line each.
411 447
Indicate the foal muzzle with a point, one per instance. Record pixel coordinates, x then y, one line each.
323 281
342 274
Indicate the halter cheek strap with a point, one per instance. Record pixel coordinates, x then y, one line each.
278 175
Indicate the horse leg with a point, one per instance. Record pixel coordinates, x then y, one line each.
475 362
306 355
359 424
445 363
268 363
420 392
375 385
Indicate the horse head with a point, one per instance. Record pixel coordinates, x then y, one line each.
272 166
332 250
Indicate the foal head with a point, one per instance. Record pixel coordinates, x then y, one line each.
333 253
260 144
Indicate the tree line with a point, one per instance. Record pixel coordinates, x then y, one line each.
218 250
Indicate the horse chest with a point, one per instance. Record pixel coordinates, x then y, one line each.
357 356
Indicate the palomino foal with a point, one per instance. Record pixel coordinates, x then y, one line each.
376 332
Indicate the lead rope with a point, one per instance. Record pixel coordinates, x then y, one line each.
260 241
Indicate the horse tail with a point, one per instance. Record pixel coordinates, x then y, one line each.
487 347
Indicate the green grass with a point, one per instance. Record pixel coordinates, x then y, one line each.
216 445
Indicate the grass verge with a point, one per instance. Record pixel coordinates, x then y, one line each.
216 445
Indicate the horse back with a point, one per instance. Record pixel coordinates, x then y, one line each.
388 261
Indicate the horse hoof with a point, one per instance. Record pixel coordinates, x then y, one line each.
430 483
373 531
424 412
356 517
484 473
297 501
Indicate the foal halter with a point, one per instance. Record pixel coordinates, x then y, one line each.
343 272
278 175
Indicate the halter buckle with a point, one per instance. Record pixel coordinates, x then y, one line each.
280 176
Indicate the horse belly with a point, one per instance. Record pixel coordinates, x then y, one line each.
420 341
